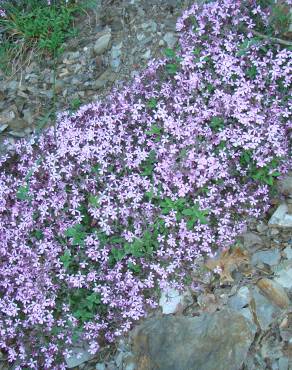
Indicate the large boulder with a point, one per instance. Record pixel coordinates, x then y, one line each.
218 341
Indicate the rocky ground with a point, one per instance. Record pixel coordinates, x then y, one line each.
115 40
237 318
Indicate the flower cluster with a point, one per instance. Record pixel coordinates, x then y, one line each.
124 196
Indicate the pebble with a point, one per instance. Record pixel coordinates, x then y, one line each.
281 218
170 39
288 252
102 44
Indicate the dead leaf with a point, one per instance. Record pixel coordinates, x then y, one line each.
228 261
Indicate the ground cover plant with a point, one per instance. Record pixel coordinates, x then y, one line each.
36 26
124 196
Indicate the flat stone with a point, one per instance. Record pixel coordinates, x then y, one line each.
17 124
100 366
288 252
284 277
172 301
170 39
283 363
250 240
270 257
102 44
3 127
102 79
261 227
281 218
79 356
265 310
147 54
285 186
8 115
241 299
184 343
274 292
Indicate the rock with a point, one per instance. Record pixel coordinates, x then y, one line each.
285 186
288 253
100 366
3 127
274 292
8 115
283 363
172 301
270 257
284 277
208 302
261 227
102 79
147 54
170 39
241 299
250 240
264 310
281 218
172 343
79 356
102 43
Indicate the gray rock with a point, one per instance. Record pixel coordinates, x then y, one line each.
100 366
241 299
78 357
212 341
261 227
3 127
102 44
281 218
285 186
250 240
270 257
147 54
172 301
288 252
8 115
170 39
284 277
284 363
265 311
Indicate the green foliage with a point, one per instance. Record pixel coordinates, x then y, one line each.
252 72
77 234
75 104
85 304
23 193
147 166
152 103
217 123
193 213
265 174
172 68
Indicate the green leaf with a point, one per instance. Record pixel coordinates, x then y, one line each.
171 68
152 103
154 130
134 267
188 212
93 200
66 259
170 53
23 193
